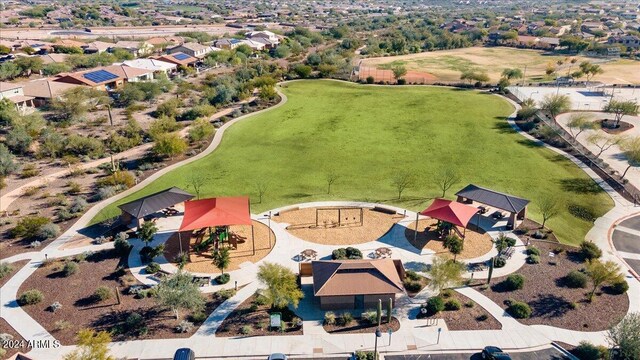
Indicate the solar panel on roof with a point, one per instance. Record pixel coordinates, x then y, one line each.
181 56
99 76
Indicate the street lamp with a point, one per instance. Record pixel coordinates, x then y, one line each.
375 351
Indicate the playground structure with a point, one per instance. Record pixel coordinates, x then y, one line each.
339 216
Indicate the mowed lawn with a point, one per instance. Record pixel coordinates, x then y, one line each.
366 135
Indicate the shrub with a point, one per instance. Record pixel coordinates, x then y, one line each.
184 326
105 192
346 318
82 257
500 262
619 287
201 129
370 316
121 245
70 268
346 253
575 279
198 317
532 250
222 279
61 325
590 250
55 306
29 170
412 286
246 329
330 318
370 79
434 305
120 177
482 317
152 268
514 282
452 305
469 304
261 300
134 321
586 351
78 205
446 293
74 188
35 244
30 297
365 355
49 231
519 310
412 275
29 226
169 145
226 294
573 305
5 269
533 259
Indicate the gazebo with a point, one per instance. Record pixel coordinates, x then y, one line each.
222 211
150 204
515 206
450 211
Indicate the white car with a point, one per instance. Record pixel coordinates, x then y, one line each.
277 356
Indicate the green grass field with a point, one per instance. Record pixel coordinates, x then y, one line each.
366 134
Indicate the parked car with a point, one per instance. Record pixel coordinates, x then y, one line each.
277 356
494 353
184 354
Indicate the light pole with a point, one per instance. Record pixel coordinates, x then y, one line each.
375 349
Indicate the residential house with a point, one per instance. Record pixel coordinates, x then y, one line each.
166 41
356 284
227 43
53 58
14 92
96 47
549 42
68 43
269 39
528 41
179 58
629 41
254 45
137 48
107 77
192 49
155 65
129 73
45 90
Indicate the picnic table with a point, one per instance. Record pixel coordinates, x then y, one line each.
383 252
309 254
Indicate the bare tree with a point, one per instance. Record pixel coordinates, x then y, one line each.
445 179
603 142
262 188
549 208
580 123
197 181
331 177
401 181
631 149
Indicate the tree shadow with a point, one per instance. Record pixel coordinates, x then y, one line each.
580 186
549 305
575 257
501 287
503 127
530 143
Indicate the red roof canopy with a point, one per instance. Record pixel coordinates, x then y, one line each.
450 211
222 211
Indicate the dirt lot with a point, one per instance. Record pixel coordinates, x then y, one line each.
246 320
80 310
447 65
468 317
16 343
475 244
361 326
329 232
202 263
16 267
551 301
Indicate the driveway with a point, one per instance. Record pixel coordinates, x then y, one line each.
626 239
546 354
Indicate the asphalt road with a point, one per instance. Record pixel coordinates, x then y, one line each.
626 239
547 354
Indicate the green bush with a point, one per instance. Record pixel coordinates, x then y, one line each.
70 268
412 275
619 287
412 286
226 294
532 250
587 351
346 318
519 310
576 279
533 259
452 305
152 268
198 317
5 269
590 250
346 253
134 322
121 245
30 297
434 305
500 262
446 293
102 293
246 329
330 318
365 355
370 316
29 227
514 282
222 279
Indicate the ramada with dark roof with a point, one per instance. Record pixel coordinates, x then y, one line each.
516 206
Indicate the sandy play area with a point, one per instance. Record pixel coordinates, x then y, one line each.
475 244
302 224
201 263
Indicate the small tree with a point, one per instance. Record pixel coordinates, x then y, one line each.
331 177
197 181
631 150
221 258
580 123
399 71
603 142
91 345
514 73
146 231
401 181
282 287
445 179
590 70
556 104
445 273
626 336
621 108
169 145
179 292
262 188
602 272
454 244
549 208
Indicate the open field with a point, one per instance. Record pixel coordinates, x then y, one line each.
447 65
367 135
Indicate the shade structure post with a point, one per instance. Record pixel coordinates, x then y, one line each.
253 240
180 240
415 233
269 230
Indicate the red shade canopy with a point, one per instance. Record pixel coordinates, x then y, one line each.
222 211
450 211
